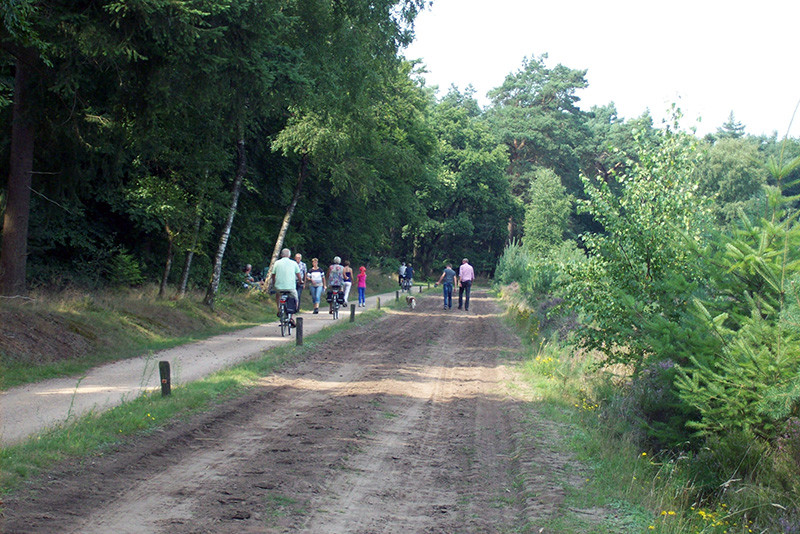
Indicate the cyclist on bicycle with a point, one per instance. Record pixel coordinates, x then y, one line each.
335 277
409 277
285 277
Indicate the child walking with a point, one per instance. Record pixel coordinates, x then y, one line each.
362 286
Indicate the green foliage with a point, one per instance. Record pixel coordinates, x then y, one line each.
124 270
535 114
547 212
725 459
733 176
468 202
538 279
642 267
535 274
751 383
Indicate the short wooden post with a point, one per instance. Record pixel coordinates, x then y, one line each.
396 295
379 303
352 312
298 330
166 381
420 288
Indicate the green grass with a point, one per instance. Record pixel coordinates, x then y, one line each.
100 432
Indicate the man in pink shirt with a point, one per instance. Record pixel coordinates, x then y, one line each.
465 277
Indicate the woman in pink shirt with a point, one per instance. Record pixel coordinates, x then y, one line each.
362 286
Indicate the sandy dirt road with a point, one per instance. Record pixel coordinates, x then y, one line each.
407 424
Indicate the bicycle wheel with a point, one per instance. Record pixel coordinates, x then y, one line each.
284 321
289 324
336 310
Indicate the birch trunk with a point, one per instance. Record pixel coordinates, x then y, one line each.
187 264
213 285
162 290
287 218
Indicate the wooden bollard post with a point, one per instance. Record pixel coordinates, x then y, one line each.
379 303
352 312
166 381
396 295
299 330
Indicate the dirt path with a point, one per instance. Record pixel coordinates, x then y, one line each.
400 426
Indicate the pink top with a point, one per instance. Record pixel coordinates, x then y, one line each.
465 272
362 280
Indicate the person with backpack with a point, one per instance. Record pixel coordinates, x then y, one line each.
335 277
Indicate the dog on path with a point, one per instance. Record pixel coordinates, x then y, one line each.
411 301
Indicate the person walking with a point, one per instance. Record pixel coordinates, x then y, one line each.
335 277
303 274
316 277
362 286
466 274
285 276
348 281
449 277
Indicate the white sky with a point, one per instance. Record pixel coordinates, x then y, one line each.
710 57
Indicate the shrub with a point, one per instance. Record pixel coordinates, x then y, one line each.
124 270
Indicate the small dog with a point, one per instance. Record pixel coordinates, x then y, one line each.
411 301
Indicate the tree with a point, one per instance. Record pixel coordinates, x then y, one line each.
643 266
19 38
731 129
83 41
352 52
468 204
731 174
547 213
534 112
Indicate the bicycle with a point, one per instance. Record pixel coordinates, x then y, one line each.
406 285
334 300
285 315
